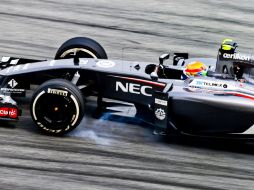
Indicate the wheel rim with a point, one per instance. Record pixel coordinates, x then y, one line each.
55 111
81 52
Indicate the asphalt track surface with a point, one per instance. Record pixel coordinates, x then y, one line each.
120 152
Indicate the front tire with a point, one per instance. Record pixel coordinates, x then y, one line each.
84 47
57 107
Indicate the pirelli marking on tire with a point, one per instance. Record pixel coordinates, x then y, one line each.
57 92
46 129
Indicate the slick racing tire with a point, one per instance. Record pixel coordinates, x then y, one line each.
57 107
82 47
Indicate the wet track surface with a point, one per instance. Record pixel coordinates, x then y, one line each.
120 152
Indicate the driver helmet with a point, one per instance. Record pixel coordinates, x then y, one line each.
195 68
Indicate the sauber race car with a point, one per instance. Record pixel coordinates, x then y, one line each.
195 96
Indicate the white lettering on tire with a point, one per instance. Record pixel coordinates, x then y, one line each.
34 103
77 108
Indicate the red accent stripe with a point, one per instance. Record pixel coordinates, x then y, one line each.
241 95
144 81
193 70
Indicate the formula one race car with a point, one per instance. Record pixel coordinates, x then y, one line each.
196 96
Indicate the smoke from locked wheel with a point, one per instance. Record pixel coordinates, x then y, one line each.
57 106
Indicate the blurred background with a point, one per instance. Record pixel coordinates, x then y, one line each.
134 30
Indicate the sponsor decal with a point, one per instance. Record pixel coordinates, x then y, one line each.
160 114
13 91
13 113
133 88
149 82
161 102
12 83
9 112
105 64
237 56
204 84
57 92
4 112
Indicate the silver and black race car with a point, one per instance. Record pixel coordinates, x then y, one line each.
219 102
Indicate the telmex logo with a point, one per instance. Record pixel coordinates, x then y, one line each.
236 56
57 92
133 88
212 84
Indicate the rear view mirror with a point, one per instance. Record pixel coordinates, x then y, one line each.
163 57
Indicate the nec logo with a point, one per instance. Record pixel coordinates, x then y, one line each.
133 88
11 112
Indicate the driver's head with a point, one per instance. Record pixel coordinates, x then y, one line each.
228 45
195 68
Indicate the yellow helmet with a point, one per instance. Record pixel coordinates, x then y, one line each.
228 45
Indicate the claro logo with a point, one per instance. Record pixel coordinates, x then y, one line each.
133 88
10 112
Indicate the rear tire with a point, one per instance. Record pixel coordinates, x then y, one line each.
57 107
84 47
